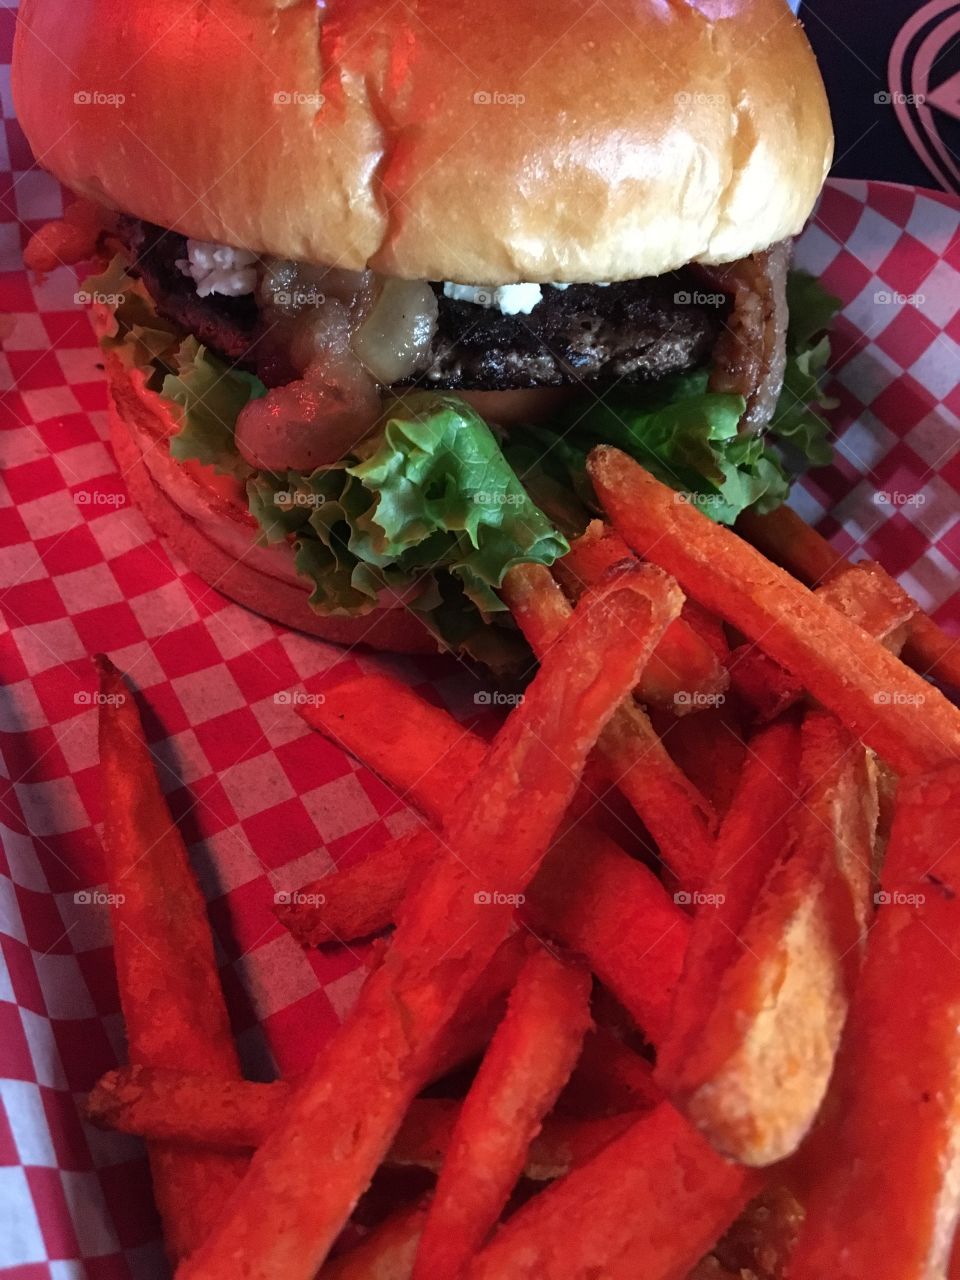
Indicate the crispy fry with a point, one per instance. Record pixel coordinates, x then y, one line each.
388 1251
588 895
885 1203
594 899
865 594
710 748
304 1180
905 720
650 1204
170 992
683 665
158 1103
751 838
755 1075
789 541
680 820
387 725
524 1069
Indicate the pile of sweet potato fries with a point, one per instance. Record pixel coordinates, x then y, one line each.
681 944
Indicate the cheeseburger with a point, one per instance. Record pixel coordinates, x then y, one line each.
374 278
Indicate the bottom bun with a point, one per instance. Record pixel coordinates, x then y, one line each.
137 424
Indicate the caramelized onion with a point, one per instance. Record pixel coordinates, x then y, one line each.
394 339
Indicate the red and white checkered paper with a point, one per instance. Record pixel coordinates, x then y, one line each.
263 803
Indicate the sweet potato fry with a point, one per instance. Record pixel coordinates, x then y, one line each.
867 595
906 721
864 593
751 838
676 815
588 895
754 1077
787 540
390 727
709 748
885 1203
650 1204
170 992
304 1180
593 898
683 667
527 1064
388 1251
237 1115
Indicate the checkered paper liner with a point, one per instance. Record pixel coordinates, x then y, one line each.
263 803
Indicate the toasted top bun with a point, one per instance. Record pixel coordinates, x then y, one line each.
489 142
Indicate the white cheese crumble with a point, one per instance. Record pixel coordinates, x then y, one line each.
217 268
509 299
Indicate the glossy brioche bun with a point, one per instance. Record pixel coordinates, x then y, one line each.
214 546
485 143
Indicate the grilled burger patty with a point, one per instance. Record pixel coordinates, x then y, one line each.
635 331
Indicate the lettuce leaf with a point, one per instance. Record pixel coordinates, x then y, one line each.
210 394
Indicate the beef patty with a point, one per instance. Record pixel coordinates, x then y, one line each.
635 331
